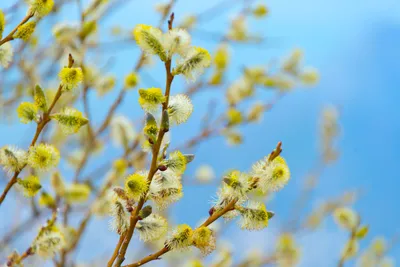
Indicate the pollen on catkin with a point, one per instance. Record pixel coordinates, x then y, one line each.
77 193
69 233
43 156
70 78
150 99
152 228
40 98
6 55
136 186
70 120
256 112
180 108
239 90
221 57
147 147
235 187
46 200
273 175
120 166
150 40
350 249
234 117
188 21
25 31
119 215
27 112
346 218
57 183
41 7
239 29
291 64
204 239
165 194
176 41
131 80
167 178
48 243
362 232
29 186
194 263
88 28
176 162
287 251
309 76
150 128
254 216
193 63
12 159
379 246
260 11
216 78
180 238
105 84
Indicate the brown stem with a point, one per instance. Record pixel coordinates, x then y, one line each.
153 167
25 255
166 249
116 250
149 258
10 36
110 114
8 186
137 67
39 128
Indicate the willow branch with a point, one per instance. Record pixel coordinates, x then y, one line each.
10 36
116 250
165 249
114 106
43 122
153 168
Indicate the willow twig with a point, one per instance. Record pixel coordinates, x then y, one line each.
165 249
43 122
10 36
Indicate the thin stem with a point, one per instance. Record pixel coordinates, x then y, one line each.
10 36
217 214
352 238
45 119
8 186
116 250
24 255
166 249
153 167
111 111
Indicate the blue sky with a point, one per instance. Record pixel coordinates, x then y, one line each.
356 47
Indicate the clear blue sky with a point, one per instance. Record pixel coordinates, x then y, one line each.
356 47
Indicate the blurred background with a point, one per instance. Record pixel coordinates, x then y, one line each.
354 45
